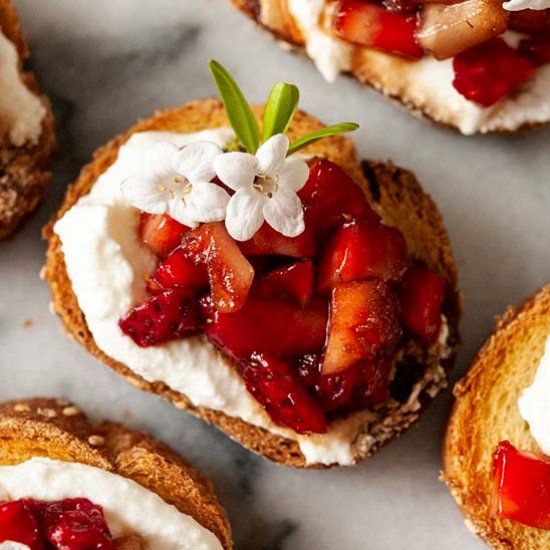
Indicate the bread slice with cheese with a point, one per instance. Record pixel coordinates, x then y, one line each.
394 192
486 413
58 430
25 157
423 87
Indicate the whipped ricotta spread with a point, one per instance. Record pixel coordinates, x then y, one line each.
427 83
518 5
533 403
129 508
21 111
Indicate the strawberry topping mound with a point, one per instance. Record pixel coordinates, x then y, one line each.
313 323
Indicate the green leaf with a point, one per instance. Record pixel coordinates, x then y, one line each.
328 131
280 109
238 110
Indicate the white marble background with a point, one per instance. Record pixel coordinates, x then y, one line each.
106 63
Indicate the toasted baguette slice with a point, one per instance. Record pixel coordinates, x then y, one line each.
486 413
398 196
58 430
25 175
397 77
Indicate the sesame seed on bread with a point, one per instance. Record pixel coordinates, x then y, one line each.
57 429
394 192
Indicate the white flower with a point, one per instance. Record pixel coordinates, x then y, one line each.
265 188
177 182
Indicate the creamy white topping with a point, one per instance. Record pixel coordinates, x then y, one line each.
533 404
9 545
427 83
128 507
518 5
21 111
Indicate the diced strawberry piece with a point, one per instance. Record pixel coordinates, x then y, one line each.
489 72
167 316
536 49
521 487
161 233
76 524
229 272
361 250
364 317
530 21
332 198
179 270
421 295
370 24
373 386
294 282
267 241
287 401
335 391
18 523
268 326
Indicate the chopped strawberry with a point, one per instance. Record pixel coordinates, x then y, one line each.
362 250
294 282
229 272
161 233
18 523
364 317
268 326
167 316
335 391
421 294
370 24
76 524
267 241
521 487
536 49
530 21
489 72
373 387
332 198
287 401
180 270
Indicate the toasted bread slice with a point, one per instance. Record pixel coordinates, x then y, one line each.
486 413
408 82
24 172
58 430
393 191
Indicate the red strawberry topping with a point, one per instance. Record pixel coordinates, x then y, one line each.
179 270
293 282
536 49
161 233
19 524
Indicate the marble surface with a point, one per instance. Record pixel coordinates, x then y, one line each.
107 63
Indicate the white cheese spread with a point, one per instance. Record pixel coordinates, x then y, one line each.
518 5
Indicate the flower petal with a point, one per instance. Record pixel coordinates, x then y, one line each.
271 155
236 170
178 208
144 193
161 160
207 202
196 160
284 212
244 214
294 174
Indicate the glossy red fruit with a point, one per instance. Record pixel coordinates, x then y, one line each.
278 388
364 317
421 295
370 24
269 242
521 487
268 326
76 524
18 523
229 272
530 21
167 316
489 72
292 282
373 386
536 49
335 391
161 233
332 198
362 250
179 270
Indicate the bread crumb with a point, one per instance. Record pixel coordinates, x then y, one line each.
96 441
48 413
71 411
21 407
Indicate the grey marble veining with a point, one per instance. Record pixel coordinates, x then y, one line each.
106 64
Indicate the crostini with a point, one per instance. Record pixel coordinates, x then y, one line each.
26 128
303 303
497 447
475 65
68 484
